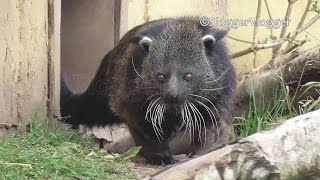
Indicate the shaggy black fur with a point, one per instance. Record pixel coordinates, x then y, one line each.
152 61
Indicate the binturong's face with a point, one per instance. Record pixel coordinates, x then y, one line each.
186 65
179 63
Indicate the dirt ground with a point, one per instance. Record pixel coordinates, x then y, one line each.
117 139
143 169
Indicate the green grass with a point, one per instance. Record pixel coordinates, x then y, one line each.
56 153
261 116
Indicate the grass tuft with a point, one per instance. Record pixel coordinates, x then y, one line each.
261 116
47 152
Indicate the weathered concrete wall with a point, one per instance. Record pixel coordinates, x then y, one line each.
87 34
23 59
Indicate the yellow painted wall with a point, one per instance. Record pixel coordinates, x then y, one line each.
244 9
140 11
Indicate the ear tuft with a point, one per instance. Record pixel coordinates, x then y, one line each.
208 41
145 43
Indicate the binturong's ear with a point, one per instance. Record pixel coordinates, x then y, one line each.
208 41
211 38
144 42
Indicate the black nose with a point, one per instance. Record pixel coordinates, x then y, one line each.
173 98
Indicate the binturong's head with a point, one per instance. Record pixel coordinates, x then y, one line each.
184 63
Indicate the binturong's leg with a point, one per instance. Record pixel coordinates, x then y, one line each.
154 140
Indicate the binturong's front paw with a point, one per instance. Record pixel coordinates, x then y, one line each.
159 158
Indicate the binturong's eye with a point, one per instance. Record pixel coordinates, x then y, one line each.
188 77
161 78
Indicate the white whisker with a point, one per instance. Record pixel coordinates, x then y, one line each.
153 114
158 118
160 113
203 123
191 123
196 116
224 73
150 107
208 101
211 114
149 99
182 117
134 68
155 118
185 119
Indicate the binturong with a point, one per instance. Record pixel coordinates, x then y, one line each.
163 77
